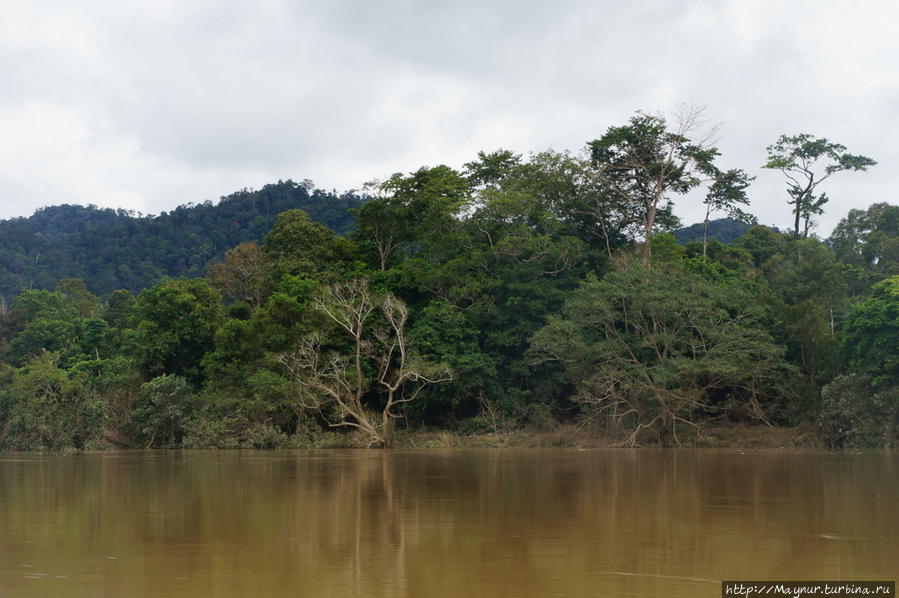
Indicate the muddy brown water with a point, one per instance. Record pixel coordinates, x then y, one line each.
467 523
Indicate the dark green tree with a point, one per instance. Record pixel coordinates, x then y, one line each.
298 246
416 214
807 293
383 228
871 333
862 237
762 243
175 324
86 303
861 409
726 194
491 168
118 308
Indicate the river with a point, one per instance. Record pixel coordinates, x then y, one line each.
463 523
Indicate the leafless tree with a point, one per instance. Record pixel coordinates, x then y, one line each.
336 384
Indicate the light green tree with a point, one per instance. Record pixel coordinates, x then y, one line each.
806 162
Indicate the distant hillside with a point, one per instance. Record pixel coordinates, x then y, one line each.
726 230
115 249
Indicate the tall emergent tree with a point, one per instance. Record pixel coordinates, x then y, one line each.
643 162
727 193
807 162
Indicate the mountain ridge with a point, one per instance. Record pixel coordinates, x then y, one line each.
118 249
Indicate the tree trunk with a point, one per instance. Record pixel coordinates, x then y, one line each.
666 430
647 244
387 431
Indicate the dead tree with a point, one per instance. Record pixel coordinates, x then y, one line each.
336 384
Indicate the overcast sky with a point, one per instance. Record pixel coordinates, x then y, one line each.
146 105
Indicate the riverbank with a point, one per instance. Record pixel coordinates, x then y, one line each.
569 436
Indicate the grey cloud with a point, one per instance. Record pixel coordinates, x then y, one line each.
166 102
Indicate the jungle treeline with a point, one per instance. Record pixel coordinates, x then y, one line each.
121 249
514 293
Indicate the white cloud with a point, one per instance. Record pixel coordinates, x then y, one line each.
147 105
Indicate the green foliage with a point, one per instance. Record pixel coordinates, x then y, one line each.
46 304
868 242
854 414
490 169
258 414
806 162
52 321
44 409
383 229
119 306
725 230
75 291
175 324
871 334
498 274
108 248
115 382
666 250
862 409
298 246
651 349
732 260
644 162
807 291
413 214
575 194
445 334
42 334
762 243
164 406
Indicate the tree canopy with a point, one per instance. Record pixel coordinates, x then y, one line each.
806 162
541 292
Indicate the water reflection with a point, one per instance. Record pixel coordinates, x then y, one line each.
455 523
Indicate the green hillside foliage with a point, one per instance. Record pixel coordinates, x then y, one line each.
724 230
515 293
117 249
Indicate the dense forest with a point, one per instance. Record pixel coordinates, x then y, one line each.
116 249
515 293
725 230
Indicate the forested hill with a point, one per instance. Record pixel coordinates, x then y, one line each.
725 230
116 249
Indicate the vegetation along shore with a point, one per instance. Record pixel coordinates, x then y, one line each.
548 300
